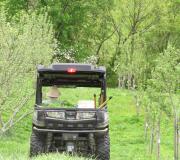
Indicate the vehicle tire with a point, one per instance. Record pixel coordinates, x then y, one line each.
37 144
103 147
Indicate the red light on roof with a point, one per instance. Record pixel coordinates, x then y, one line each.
71 70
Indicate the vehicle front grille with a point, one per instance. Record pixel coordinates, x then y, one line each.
70 115
51 125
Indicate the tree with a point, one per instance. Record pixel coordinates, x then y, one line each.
134 21
81 26
23 45
164 91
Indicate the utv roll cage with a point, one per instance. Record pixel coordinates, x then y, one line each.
79 75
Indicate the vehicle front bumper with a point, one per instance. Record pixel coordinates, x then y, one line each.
99 131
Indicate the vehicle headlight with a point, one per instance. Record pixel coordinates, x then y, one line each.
106 117
85 115
60 115
35 115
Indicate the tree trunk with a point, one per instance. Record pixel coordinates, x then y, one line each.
137 99
134 83
119 82
124 82
152 137
146 124
158 138
132 46
176 136
1 121
129 80
32 4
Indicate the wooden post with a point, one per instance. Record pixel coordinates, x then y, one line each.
95 101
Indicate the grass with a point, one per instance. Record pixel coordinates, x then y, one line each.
126 133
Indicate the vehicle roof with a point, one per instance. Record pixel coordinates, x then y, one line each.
84 75
79 67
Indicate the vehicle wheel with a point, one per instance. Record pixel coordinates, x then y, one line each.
37 145
103 147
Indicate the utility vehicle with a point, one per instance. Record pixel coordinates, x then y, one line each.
82 128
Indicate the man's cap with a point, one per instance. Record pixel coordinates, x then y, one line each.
53 92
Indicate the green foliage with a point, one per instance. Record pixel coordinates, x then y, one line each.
125 36
165 77
23 45
113 81
14 7
81 27
163 89
77 25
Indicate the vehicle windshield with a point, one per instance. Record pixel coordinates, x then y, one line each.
71 97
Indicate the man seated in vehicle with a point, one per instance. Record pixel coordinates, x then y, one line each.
54 99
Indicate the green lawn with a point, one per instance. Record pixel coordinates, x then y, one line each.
126 133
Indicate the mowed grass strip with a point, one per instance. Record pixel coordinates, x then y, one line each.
53 156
